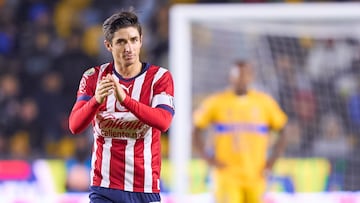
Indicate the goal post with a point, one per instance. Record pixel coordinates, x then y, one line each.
275 18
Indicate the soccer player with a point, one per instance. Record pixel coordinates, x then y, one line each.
239 120
129 103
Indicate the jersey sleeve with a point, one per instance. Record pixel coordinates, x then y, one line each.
85 106
163 95
161 111
277 117
87 85
203 115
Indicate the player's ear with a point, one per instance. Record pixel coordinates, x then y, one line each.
108 45
141 40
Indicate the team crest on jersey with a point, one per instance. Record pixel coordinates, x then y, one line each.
89 72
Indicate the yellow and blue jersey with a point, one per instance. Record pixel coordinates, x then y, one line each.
240 126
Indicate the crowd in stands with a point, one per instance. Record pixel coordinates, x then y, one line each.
319 90
45 46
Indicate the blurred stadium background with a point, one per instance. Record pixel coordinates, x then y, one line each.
311 68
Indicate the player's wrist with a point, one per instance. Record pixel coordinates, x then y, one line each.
94 102
97 99
122 98
207 156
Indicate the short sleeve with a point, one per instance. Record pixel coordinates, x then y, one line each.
277 117
204 114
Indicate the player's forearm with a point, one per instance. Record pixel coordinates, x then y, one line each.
154 117
278 149
198 143
82 114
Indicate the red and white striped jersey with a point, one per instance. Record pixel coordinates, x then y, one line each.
126 152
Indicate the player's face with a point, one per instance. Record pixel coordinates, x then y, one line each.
246 75
125 46
242 77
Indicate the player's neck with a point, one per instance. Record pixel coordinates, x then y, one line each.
240 91
128 71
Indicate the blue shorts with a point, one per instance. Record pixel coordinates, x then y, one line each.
108 195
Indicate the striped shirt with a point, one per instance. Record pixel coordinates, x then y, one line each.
126 152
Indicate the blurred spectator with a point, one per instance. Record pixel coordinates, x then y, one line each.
7 30
340 53
71 65
37 62
52 103
291 80
333 56
19 145
3 145
67 15
293 133
30 129
304 104
79 165
9 105
333 143
159 31
353 109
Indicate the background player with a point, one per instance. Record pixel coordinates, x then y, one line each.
129 103
240 120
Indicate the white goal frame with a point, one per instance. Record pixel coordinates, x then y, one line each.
181 17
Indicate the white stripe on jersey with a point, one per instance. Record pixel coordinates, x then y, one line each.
129 152
101 70
157 76
139 81
147 162
105 164
93 159
129 165
163 99
111 100
110 103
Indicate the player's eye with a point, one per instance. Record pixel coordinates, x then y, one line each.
134 39
120 42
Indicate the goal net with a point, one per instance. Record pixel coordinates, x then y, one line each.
307 56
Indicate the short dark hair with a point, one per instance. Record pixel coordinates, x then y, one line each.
120 20
241 63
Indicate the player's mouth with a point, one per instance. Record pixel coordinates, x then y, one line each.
128 57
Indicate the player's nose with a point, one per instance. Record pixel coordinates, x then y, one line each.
128 47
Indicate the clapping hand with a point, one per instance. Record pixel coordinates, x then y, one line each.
118 90
103 89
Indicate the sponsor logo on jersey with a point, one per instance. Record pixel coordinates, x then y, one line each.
121 128
127 89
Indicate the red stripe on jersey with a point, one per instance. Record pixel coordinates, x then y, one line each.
139 171
156 160
117 164
145 93
97 170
